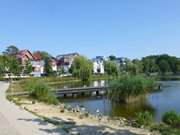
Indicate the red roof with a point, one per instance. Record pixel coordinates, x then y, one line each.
37 56
25 53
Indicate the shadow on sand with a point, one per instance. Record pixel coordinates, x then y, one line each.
70 127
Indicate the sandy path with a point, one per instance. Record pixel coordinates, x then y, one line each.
16 121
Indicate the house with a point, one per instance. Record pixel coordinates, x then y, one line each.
38 68
54 64
38 65
65 61
98 65
23 56
121 61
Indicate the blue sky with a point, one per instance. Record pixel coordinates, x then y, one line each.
129 28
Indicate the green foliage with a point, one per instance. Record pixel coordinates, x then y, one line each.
9 64
14 66
61 71
11 50
28 68
112 57
111 68
144 118
40 91
47 66
130 86
149 65
82 68
135 67
47 62
171 125
171 118
165 130
164 66
161 63
2 66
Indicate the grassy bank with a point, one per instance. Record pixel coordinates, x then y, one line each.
170 124
19 86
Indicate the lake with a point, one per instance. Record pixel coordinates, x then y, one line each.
157 102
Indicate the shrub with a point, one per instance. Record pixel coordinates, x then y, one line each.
172 119
144 118
40 91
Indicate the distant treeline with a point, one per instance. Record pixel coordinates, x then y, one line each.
153 64
161 64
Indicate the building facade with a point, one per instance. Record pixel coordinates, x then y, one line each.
65 61
98 65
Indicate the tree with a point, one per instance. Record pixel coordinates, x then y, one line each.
111 68
82 68
2 66
47 62
164 66
61 71
11 50
112 58
9 64
28 67
149 65
14 66
138 65
132 68
47 66
44 54
178 67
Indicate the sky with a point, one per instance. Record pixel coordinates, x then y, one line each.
125 28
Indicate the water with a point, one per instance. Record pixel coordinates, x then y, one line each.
158 102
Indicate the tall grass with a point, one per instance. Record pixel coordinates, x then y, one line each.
171 118
144 118
129 87
41 91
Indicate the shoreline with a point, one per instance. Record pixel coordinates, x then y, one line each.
79 122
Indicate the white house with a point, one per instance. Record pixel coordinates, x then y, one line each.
54 64
38 68
98 65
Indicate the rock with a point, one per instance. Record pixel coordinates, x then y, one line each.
74 133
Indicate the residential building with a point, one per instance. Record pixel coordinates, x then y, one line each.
38 68
54 64
38 65
121 63
65 61
23 56
98 65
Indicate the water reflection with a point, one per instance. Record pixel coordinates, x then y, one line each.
130 110
109 108
99 83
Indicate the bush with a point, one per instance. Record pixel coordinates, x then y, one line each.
144 118
1 78
40 91
172 119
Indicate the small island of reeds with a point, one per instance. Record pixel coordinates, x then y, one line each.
128 88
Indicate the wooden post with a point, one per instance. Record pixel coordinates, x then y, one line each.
97 93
